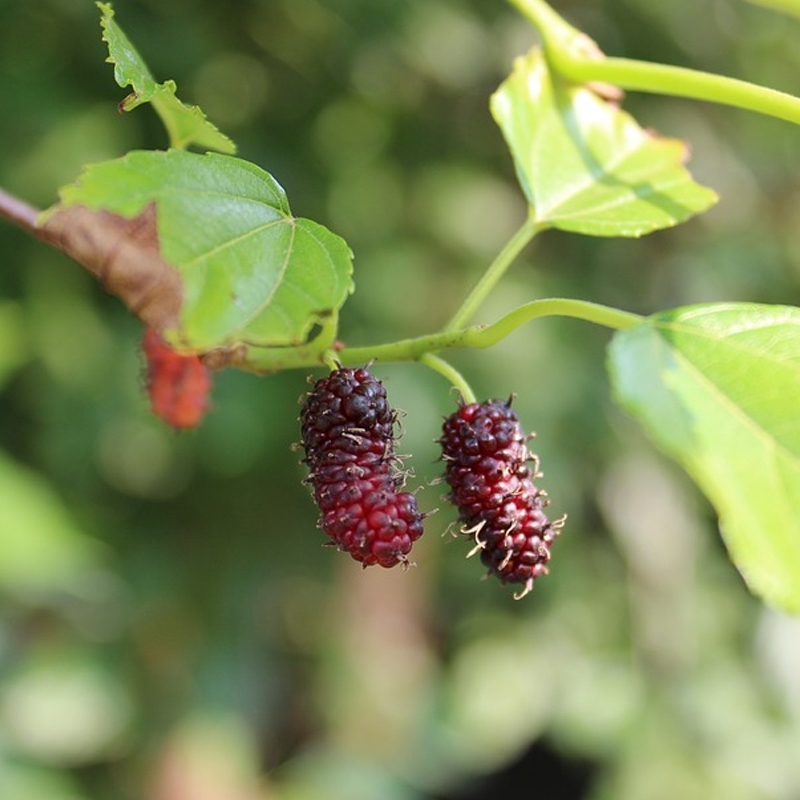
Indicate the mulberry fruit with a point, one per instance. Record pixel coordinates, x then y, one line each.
347 429
491 484
178 385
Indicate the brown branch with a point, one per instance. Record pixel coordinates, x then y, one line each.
19 213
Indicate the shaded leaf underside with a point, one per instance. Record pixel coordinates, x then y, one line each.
718 388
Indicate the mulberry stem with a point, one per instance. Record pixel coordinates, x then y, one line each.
451 373
474 337
575 56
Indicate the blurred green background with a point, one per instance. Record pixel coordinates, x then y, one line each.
171 627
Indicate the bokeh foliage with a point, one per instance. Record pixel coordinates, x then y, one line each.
168 617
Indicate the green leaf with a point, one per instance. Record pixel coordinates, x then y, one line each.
718 388
249 271
186 125
42 548
585 165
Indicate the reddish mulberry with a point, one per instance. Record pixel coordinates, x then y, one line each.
491 484
347 428
178 385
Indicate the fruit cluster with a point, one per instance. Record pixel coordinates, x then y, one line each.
348 435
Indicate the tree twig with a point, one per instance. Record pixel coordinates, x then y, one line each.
19 212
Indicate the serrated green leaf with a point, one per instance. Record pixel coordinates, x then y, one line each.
251 273
129 67
718 388
186 125
584 164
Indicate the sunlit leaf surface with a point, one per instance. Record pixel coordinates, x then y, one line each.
249 271
584 164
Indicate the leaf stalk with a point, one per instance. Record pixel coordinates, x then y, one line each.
515 245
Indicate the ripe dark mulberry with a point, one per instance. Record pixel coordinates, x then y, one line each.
178 385
347 428
491 484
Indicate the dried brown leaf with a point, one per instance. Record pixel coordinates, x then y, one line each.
124 254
